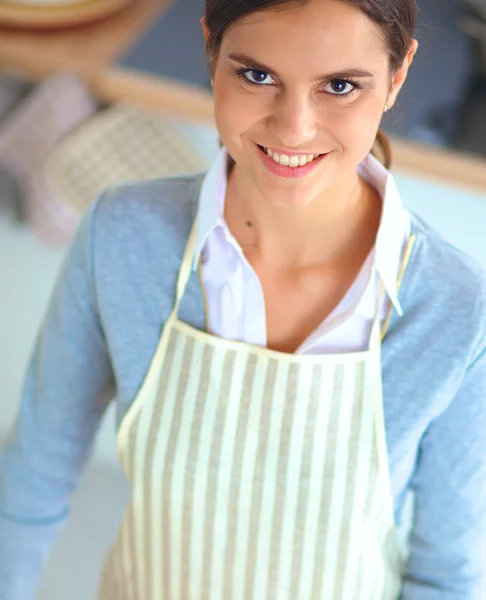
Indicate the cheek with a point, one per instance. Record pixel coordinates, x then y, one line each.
355 126
237 112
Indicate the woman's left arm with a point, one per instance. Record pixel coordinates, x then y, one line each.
448 539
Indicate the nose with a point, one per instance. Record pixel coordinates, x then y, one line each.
293 121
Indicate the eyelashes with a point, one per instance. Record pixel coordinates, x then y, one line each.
244 72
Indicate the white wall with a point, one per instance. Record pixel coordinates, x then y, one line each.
28 270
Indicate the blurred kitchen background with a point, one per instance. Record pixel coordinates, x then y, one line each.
93 93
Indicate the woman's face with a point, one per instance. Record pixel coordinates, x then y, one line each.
302 80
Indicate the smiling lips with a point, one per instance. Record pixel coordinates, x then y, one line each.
292 160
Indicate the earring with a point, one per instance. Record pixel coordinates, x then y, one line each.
386 108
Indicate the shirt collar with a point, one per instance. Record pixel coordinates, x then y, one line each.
392 229
210 212
391 232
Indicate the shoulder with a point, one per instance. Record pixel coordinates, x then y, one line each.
447 284
146 216
172 198
138 231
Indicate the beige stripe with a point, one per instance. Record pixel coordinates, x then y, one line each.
295 451
139 470
147 521
210 514
258 411
351 585
282 481
169 555
258 475
162 417
345 398
304 485
188 470
318 486
345 571
237 397
236 473
270 492
368 565
200 423
195 405
321 563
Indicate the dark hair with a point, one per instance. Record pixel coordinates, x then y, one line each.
395 17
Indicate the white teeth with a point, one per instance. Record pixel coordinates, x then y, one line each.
291 161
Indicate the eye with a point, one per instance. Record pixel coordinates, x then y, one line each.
256 77
341 87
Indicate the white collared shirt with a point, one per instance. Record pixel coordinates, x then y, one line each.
236 305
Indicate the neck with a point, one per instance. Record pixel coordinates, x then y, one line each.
338 224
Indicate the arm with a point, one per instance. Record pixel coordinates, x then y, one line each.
59 416
448 540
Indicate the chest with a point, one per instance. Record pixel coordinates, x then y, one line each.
297 303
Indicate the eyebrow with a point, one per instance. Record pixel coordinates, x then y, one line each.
247 60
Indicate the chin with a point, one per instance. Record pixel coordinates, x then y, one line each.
280 197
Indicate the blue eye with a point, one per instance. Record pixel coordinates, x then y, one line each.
255 77
341 87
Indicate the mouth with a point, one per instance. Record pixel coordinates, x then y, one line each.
293 161
294 165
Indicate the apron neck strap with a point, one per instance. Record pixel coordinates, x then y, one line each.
185 268
375 339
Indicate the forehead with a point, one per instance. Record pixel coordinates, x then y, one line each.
320 33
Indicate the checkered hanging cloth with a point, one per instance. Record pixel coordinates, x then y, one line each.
119 144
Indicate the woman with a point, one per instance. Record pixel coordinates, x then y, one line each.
270 437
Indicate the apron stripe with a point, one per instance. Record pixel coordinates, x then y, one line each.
282 485
161 415
238 389
313 561
197 416
252 449
178 353
213 516
187 490
303 485
234 504
351 585
345 539
321 569
345 387
172 504
268 484
257 480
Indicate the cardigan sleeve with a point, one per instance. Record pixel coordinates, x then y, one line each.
448 539
59 415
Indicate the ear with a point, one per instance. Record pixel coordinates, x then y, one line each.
401 75
205 28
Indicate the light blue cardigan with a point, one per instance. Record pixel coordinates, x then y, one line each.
113 296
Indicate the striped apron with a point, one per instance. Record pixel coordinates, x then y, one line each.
256 475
